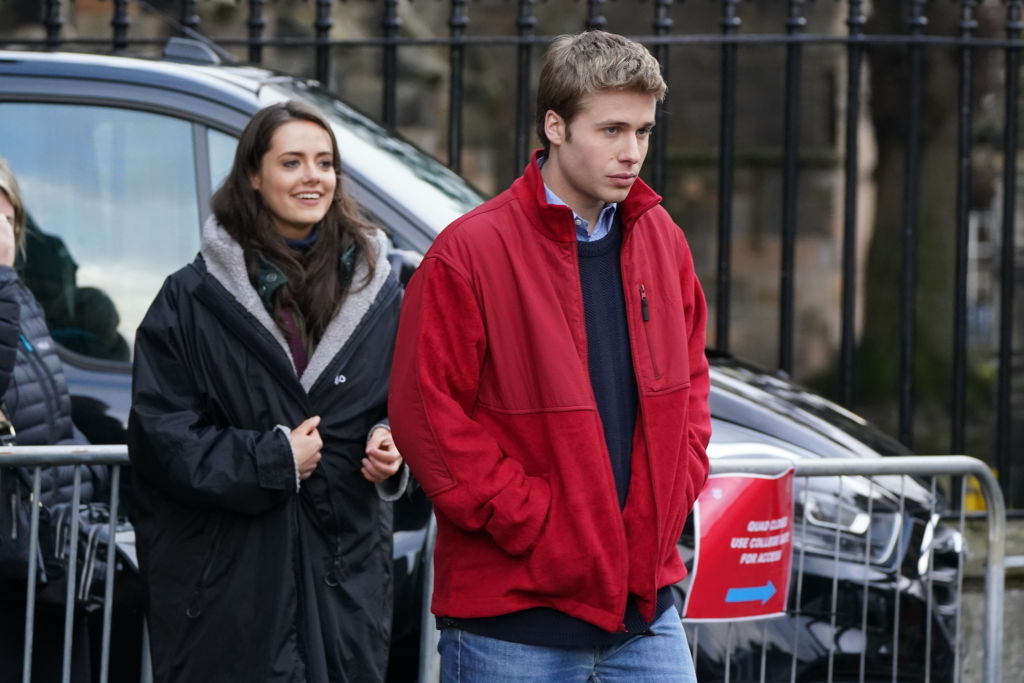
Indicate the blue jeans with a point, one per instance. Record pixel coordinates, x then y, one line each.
660 658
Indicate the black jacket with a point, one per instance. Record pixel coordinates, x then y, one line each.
247 579
35 391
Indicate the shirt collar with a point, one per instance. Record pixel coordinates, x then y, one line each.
604 219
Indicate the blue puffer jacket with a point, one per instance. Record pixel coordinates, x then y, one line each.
34 388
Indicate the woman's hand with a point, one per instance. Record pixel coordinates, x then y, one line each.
382 457
7 246
306 445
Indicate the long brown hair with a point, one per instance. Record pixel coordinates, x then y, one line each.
316 285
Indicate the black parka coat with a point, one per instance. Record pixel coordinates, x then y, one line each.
248 579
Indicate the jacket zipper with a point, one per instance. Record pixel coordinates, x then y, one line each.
387 294
619 520
645 312
645 315
46 382
195 608
300 588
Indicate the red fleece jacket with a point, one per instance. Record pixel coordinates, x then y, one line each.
491 405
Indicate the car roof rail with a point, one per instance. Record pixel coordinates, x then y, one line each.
189 51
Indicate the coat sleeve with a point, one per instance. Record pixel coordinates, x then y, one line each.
10 321
439 352
698 411
174 445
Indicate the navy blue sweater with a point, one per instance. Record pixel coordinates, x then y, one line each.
608 357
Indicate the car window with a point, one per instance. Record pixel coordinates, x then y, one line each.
112 199
222 155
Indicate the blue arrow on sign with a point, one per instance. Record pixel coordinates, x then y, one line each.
753 594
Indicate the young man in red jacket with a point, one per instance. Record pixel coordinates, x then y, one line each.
549 392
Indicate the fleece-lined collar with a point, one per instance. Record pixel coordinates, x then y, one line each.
226 263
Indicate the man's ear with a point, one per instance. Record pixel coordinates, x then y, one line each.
554 127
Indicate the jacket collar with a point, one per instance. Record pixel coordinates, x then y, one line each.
226 263
555 221
271 278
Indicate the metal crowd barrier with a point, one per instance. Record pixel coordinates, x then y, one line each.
921 467
36 457
916 466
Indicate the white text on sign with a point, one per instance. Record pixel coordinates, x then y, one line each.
741 542
761 558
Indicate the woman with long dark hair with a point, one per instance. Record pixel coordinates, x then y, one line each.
261 455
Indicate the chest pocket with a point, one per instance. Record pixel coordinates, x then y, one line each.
661 340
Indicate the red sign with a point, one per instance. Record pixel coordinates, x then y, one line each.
743 526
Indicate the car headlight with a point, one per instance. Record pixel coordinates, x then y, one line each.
830 518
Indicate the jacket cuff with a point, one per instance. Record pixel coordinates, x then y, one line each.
393 488
295 463
383 423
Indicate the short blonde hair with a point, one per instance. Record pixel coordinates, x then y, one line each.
9 186
576 66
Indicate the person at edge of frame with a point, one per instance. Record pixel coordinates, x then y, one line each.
262 465
549 392
35 395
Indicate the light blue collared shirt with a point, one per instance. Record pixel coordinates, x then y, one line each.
604 219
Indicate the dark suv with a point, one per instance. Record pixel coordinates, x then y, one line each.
117 158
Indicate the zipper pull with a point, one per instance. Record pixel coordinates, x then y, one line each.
26 343
643 303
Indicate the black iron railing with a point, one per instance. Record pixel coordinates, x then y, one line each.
992 28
